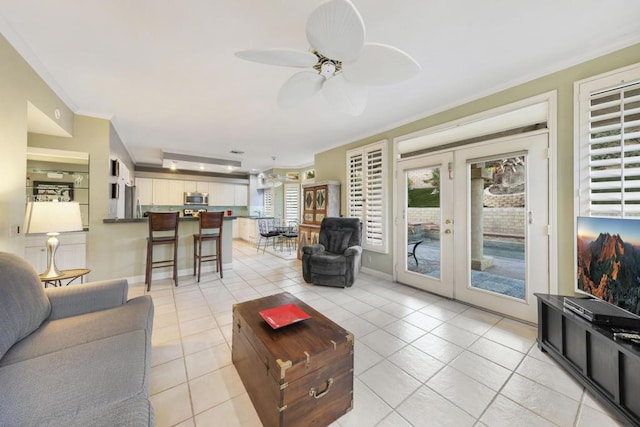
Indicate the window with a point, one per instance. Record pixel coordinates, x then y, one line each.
268 202
608 146
291 202
366 187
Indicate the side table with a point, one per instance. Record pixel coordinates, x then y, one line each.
69 275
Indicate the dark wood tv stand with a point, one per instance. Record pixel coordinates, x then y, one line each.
608 368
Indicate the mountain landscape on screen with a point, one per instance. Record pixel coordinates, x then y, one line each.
609 268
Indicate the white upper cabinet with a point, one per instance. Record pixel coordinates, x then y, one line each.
221 194
168 192
196 186
144 189
241 195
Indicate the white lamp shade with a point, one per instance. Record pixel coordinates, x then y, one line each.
52 217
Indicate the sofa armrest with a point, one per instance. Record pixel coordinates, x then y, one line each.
313 249
353 251
86 298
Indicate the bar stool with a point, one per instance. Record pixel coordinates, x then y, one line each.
162 222
211 221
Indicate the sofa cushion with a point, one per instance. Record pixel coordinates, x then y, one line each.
76 379
23 304
55 335
329 264
338 241
132 412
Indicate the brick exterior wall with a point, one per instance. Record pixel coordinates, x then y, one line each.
508 221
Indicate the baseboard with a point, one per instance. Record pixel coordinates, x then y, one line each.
184 272
377 273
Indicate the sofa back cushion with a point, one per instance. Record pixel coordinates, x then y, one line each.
23 303
338 241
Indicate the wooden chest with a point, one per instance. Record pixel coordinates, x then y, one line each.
298 375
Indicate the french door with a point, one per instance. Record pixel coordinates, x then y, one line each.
473 224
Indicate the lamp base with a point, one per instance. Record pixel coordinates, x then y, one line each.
52 246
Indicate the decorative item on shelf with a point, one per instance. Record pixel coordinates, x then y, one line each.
52 218
47 191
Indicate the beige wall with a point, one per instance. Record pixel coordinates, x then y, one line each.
331 164
90 135
19 84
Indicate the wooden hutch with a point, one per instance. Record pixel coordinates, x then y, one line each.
320 200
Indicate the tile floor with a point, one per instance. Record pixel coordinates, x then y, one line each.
419 359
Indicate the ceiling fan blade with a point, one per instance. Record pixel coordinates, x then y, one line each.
344 96
380 65
284 57
336 30
300 87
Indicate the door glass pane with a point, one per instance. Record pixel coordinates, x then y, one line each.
423 221
497 225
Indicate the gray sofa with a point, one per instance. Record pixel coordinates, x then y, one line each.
72 356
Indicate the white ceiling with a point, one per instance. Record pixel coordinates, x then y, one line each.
165 72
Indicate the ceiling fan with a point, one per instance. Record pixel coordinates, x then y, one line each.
272 179
343 64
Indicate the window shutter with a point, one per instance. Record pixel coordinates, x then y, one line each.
614 151
291 202
366 187
355 195
268 202
373 223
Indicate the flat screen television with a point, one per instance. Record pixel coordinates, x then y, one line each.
608 260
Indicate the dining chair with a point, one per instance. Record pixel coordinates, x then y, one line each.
266 233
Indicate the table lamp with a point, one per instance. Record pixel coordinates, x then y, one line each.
52 218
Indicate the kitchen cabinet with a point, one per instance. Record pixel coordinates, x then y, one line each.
241 195
247 229
235 229
320 200
71 254
225 194
168 192
308 234
144 189
196 186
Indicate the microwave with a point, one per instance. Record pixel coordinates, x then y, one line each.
196 198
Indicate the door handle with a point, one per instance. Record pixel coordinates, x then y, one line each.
447 231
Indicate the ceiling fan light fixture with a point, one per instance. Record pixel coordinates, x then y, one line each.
336 33
327 69
272 179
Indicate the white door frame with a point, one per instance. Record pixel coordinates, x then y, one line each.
549 101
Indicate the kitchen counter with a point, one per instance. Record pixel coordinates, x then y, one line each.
144 219
136 231
255 217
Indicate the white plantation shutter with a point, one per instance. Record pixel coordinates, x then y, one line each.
610 147
291 202
366 189
355 194
268 202
374 209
